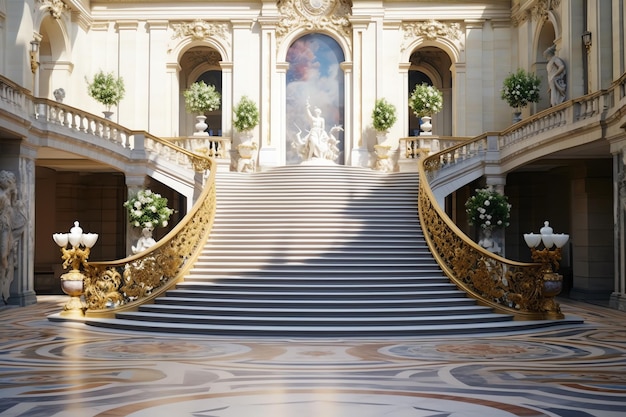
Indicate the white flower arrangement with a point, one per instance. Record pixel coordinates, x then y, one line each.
148 210
245 115
201 98
383 115
106 89
488 209
520 88
425 100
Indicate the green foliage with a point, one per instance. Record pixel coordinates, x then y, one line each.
245 115
425 100
148 209
520 88
201 98
488 209
106 89
383 115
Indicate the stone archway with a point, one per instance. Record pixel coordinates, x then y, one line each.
432 65
200 63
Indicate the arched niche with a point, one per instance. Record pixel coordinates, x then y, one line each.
315 76
55 67
546 37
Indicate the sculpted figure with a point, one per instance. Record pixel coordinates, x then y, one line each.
145 241
12 223
317 144
489 243
557 86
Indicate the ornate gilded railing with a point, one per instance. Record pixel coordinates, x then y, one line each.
521 289
123 285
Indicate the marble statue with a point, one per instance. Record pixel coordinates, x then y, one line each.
12 224
489 243
317 144
146 241
557 85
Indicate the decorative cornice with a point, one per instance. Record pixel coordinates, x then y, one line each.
55 7
314 15
541 9
537 11
199 30
432 30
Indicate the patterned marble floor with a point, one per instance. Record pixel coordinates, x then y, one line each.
71 370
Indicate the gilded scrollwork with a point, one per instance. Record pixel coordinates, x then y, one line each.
116 284
508 286
314 15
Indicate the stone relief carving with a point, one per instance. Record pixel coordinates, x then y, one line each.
538 11
12 224
201 30
55 7
197 56
432 30
314 15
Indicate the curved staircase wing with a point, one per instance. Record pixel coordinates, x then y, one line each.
317 251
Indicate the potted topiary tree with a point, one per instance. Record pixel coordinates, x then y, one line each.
245 118
106 89
383 118
147 210
201 98
520 89
425 101
489 212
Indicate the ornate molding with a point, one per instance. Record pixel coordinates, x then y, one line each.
314 15
537 11
201 30
55 7
432 30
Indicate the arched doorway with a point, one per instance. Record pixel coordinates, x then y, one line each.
200 63
314 76
432 65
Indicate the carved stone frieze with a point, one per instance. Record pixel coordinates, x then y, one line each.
197 56
537 11
314 15
432 30
55 7
202 30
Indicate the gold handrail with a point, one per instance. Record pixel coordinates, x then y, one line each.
125 284
521 289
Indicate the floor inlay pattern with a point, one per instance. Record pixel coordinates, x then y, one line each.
53 369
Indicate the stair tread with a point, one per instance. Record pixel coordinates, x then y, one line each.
341 319
469 307
318 250
373 331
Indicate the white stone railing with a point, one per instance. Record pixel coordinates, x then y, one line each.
559 126
13 98
91 135
414 147
77 120
212 146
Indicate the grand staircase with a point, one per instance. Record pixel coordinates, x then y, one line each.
317 251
